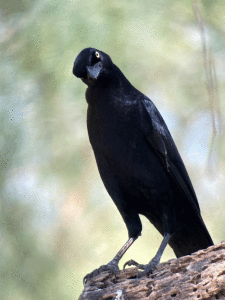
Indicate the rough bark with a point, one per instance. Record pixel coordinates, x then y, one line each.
198 276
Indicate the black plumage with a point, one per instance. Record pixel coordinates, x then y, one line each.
138 161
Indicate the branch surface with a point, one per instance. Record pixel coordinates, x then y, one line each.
199 276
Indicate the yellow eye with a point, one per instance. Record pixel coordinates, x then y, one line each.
97 54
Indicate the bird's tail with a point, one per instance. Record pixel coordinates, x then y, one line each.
190 236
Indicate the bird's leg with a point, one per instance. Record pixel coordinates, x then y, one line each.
113 264
149 268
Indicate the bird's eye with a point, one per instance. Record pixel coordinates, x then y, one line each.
97 54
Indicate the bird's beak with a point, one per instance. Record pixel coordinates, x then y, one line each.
93 71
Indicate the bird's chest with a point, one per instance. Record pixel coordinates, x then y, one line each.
112 129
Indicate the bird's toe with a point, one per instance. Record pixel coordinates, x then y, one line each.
111 267
134 263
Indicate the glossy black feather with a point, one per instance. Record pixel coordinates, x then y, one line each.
137 158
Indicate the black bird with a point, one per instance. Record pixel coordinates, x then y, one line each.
138 162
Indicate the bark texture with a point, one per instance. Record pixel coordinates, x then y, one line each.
198 276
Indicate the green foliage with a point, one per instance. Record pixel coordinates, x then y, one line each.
57 221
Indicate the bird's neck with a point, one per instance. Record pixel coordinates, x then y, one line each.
113 84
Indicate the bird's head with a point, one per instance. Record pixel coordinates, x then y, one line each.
92 65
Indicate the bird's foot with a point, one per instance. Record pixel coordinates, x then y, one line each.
133 263
112 266
147 269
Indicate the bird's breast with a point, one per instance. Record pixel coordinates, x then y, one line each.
111 129
116 137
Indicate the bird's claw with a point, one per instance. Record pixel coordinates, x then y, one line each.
111 267
147 269
151 267
133 263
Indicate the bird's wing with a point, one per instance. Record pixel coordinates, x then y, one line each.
161 141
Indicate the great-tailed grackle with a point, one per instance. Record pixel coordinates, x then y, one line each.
138 162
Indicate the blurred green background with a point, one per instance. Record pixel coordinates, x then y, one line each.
57 221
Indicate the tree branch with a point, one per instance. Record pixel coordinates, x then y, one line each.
198 276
